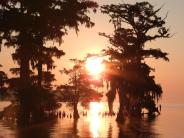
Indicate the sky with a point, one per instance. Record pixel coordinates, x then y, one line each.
169 74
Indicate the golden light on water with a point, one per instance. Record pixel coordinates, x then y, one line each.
95 108
94 118
95 66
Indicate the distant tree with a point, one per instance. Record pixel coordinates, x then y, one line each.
29 24
134 25
3 82
80 87
3 79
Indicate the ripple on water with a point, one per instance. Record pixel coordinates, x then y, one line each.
169 124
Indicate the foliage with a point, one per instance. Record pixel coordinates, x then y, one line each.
134 25
79 88
28 25
80 84
3 79
3 82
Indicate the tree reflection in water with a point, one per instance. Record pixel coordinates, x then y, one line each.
95 125
36 131
138 128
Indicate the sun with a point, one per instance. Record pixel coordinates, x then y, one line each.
94 65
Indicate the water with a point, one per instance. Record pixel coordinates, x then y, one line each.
169 124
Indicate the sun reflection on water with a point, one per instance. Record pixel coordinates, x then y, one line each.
94 118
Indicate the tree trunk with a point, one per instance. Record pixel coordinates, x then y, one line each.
75 113
121 113
111 96
75 129
24 111
40 61
40 71
24 70
120 116
23 115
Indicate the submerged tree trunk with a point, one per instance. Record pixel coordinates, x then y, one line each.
75 111
75 129
40 62
23 115
24 70
40 72
38 115
111 96
24 111
120 116
122 108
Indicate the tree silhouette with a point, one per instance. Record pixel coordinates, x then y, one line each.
46 20
134 25
3 81
29 24
80 87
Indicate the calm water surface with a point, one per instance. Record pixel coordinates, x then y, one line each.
170 124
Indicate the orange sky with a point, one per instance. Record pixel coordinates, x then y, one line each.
169 74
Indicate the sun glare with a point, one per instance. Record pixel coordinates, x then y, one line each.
94 65
95 108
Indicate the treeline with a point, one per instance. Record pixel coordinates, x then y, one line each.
28 25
